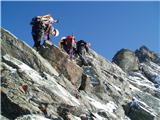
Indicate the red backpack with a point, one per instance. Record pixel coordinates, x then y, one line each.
71 43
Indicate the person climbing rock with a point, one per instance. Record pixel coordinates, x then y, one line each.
48 21
82 48
42 28
63 43
37 32
69 45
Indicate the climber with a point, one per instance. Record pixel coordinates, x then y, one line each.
48 21
69 45
37 31
82 48
42 27
63 43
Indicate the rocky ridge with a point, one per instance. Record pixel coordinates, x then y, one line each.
47 85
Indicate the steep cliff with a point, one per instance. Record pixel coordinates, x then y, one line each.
47 85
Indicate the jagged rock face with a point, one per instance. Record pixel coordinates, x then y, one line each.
127 60
21 51
152 72
47 85
144 54
63 65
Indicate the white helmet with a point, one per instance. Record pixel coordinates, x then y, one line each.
51 20
63 38
56 32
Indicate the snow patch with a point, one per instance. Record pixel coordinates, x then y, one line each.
151 86
12 70
32 117
154 66
98 117
138 79
110 107
66 94
117 88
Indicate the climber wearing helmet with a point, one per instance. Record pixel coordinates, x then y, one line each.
37 32
63 43
48 21
82 48
42 28
70 45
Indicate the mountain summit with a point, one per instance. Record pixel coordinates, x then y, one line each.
47 85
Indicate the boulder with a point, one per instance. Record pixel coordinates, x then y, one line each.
60 60
126 60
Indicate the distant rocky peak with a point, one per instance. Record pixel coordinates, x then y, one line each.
145 54
143 47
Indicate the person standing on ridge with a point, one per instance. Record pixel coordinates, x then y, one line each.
42 27
37 32
48 21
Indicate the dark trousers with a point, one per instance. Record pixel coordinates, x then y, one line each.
37 36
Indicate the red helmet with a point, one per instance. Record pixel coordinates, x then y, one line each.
69 37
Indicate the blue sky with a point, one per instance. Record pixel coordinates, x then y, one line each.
108 26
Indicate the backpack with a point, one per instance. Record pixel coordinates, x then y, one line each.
37 25
34 21
47 19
